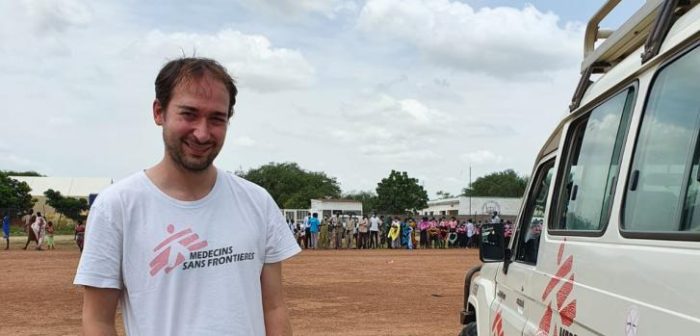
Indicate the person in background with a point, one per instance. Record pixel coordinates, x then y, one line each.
38 228
470 233
349 226
79 236
6 229
462 234
314 224
307 230
29 219
423 229
395 233
364 233
49 236
374 231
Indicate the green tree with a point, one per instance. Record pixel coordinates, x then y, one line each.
15 196
443 194
506 183
368 199
400 193
24 173
70 207
291 186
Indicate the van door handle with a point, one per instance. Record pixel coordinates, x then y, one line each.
520 302
501 295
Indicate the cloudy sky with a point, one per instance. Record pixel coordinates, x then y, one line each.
348 87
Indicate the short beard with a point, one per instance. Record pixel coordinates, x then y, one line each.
178 157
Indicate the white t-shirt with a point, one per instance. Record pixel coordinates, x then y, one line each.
470 229
185 268
374 224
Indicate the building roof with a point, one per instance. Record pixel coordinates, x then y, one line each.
335 200
67 186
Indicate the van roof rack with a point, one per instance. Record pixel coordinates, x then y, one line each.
648 26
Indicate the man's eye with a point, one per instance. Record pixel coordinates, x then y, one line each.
219 121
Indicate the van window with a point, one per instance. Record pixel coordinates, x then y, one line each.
663 189
592 165
533 217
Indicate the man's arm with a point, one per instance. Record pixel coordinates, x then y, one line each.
99 309
276 314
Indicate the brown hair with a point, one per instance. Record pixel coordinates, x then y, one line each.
187 68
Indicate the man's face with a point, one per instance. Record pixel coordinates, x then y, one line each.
194 123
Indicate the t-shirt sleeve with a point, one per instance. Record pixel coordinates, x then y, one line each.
101 261
280 243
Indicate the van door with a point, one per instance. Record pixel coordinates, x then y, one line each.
511 306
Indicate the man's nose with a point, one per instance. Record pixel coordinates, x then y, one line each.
201 131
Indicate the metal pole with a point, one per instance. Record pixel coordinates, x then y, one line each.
470 190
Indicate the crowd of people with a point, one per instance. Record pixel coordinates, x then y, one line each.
342 231
40 231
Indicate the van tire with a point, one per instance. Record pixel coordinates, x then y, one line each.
469 329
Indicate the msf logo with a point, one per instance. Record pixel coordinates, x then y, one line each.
497 325
181 241
559 303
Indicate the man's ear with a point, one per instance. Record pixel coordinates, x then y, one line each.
158 112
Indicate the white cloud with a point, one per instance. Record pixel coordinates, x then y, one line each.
287 8
57 16
251 58
501 41
482 157
243 141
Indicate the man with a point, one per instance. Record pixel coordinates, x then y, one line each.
374 231
188 248
6 229
314 224
307 230
36 231
338 231
350 230
470 234
495 219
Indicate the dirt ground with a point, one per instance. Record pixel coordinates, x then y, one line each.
347 292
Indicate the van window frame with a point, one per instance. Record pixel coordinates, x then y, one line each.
656 235
567 150
549 163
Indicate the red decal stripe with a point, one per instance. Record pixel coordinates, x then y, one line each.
562 272
495 320
568 314
564 291
546 321
560 254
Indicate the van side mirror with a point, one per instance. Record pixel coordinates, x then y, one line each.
492 245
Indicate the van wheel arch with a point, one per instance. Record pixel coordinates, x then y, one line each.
469 329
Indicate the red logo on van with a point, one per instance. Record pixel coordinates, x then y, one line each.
559 303
497 326
187 241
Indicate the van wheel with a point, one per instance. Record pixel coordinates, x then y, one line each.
469 329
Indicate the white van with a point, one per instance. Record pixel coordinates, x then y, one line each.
607 239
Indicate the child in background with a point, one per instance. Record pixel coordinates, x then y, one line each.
49 236
80 235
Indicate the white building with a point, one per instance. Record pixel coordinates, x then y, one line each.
328 207
79 187
325 208
473 206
